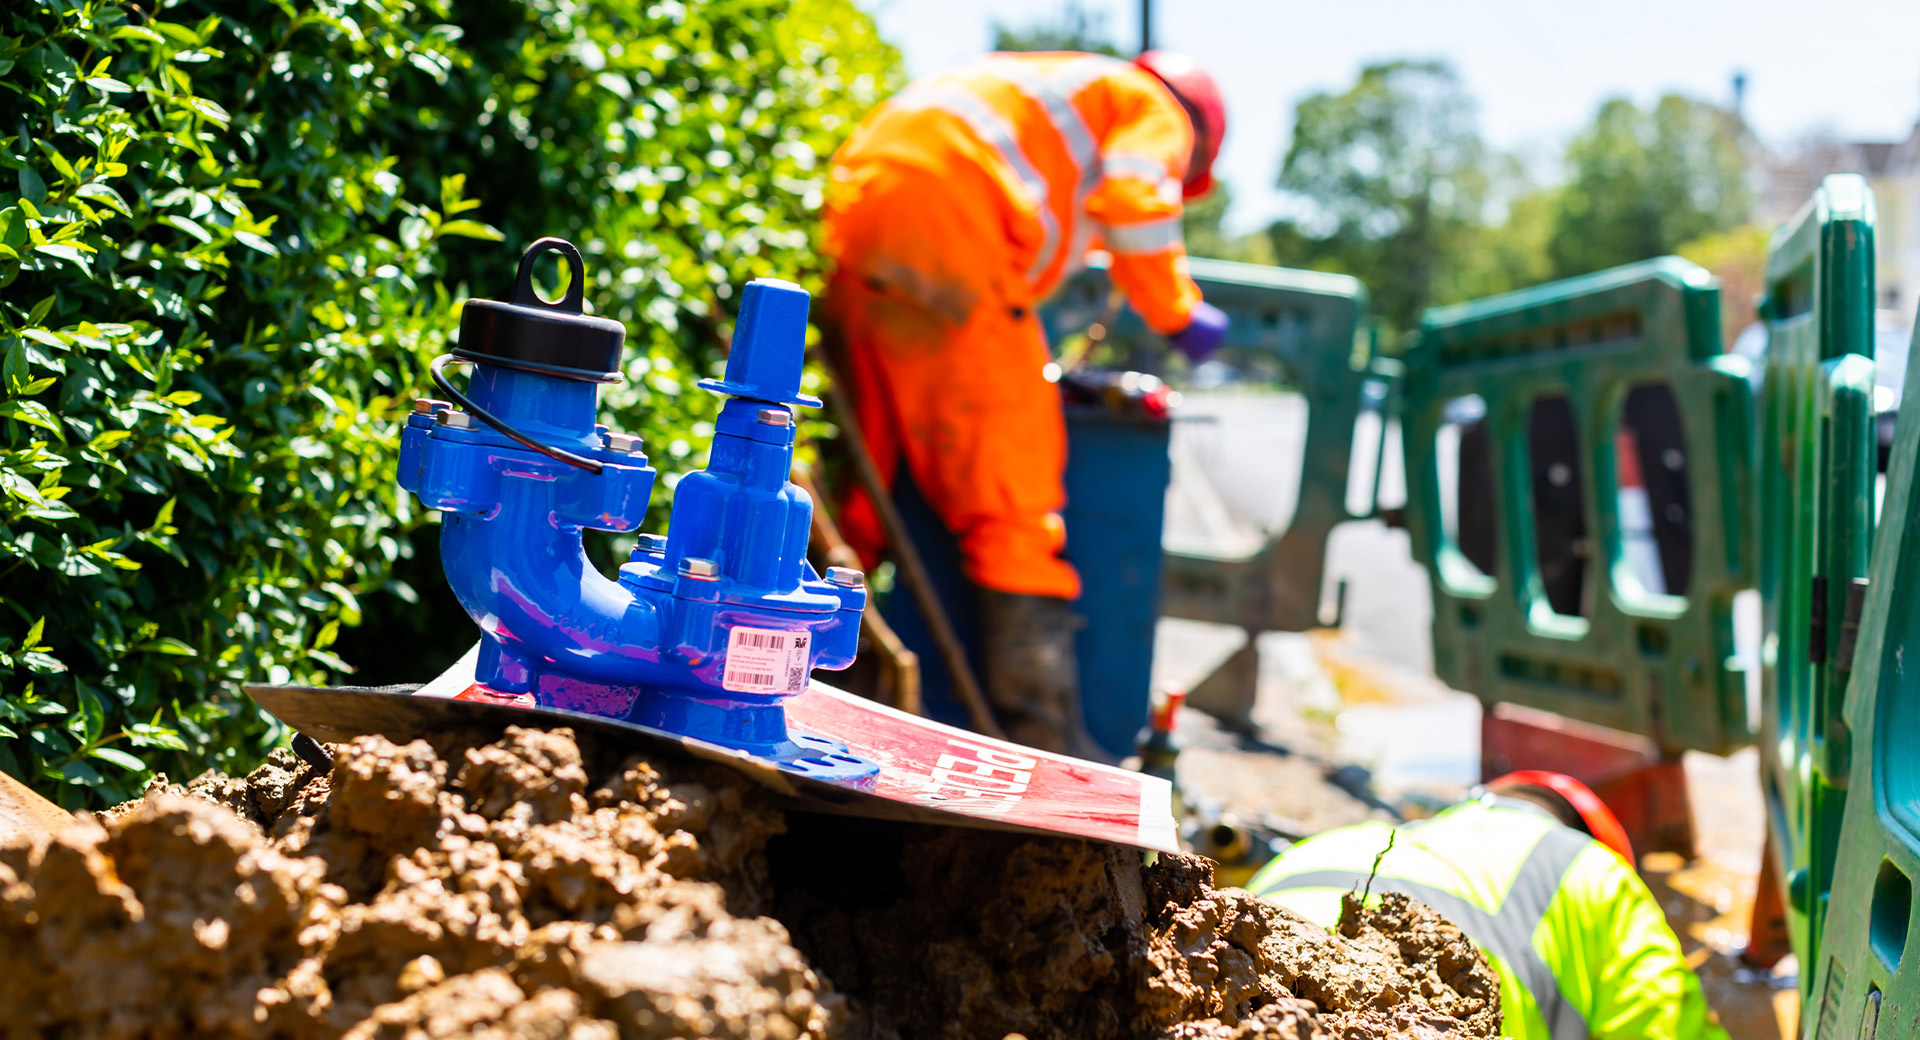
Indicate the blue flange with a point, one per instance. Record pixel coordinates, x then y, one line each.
709 629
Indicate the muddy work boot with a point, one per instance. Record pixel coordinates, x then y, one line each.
1032 677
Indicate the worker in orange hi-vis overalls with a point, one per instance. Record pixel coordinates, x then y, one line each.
953 210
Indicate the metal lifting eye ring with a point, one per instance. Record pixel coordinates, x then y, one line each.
438 370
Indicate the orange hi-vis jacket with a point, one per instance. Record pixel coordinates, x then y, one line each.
955 208
1078 152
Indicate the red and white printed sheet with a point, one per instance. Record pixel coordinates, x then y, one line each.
929 772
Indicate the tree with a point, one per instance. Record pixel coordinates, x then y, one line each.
1644 183
1504 256
1738 258
1390 178
1076 29
1201 228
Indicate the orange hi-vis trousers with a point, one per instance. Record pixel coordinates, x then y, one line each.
964 408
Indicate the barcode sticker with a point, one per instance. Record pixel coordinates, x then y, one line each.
765 660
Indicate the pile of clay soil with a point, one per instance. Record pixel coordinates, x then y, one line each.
520 888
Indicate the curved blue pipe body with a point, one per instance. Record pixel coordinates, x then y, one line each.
707 630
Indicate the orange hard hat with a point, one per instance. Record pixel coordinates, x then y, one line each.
1201 96
1600 821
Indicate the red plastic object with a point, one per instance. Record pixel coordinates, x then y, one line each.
1158 404
1768 940
1167 711
1192 85
1600 821
1646 791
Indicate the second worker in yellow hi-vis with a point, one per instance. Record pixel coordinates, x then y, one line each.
1536 871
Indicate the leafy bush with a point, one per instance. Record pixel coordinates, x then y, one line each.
239 231
684 149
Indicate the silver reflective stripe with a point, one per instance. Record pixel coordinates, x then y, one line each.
997 132
1058 103
1054 94
1507 933
1153 236
1138 167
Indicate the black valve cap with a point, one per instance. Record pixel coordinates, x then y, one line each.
530 334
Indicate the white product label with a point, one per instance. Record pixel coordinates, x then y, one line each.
766 660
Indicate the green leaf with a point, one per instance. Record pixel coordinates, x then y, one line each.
120 758
70 253
33 190
106 196
108 85
472 229
179 34
82 774
256 242
13 228
147 734
42 663
33 413
414 232
33 635
60 163
207 110
188 225
135 32
168 645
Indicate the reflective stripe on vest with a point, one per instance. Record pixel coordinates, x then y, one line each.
1138 167
1054 95
1053 92
1153 236
1506 933
993 129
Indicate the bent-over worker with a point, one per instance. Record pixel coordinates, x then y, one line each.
953 210
1536 870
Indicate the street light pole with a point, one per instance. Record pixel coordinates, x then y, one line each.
1146 26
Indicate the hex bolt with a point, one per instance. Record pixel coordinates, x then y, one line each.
656 544
429 405
454 418
700 570
624 443
845 577
775 417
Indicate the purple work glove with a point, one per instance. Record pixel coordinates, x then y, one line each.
1205 330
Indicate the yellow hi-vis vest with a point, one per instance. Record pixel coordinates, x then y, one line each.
1580 945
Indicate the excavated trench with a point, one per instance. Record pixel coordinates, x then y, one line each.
520 887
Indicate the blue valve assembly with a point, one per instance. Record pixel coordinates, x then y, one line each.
710 627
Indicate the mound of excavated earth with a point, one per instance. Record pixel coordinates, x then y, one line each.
521 888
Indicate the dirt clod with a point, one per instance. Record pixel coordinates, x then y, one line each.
526 887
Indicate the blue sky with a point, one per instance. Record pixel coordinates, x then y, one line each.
1538 69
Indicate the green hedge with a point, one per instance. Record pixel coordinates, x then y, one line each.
235 233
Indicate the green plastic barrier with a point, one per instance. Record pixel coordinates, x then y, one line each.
1817 465
1556 615
1855 982
1304 329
